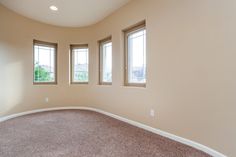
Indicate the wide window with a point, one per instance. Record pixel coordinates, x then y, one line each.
45 62
105 60
79 64
135 55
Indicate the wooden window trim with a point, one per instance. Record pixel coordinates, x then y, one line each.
47 44
74 46
130 30
100 70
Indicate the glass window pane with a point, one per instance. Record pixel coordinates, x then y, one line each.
107 62
80 65
44 63
137 57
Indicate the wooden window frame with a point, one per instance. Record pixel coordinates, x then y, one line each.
46 44
74 46
101 43
130 30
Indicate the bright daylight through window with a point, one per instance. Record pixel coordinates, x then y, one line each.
135 45
79 64
105 61
44 62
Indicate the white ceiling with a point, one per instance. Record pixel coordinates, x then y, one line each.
71 13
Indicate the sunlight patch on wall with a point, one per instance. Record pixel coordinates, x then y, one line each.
11 86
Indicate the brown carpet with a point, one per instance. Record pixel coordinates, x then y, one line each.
75 133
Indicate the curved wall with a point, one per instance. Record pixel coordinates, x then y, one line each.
16 59
191 68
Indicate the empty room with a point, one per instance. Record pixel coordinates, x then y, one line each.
117 78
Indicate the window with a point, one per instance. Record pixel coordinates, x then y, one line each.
105 61
79 64
45 61
135 55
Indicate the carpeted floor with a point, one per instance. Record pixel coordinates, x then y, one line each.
75 133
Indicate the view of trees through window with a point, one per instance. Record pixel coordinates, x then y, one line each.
135 59
44 64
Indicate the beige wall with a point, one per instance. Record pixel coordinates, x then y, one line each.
191 68
17 91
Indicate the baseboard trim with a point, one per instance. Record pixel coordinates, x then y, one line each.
191 143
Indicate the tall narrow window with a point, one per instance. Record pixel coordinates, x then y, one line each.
79 64
105 61
45 70
135 55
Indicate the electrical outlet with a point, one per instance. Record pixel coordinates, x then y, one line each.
46 100
152 113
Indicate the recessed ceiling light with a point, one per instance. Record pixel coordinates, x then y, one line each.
53 8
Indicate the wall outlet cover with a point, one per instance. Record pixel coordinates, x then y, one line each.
152 113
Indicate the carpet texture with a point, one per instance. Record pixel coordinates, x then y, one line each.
76 133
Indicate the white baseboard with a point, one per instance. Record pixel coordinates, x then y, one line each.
134 123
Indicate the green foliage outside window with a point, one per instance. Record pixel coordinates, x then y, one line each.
41 74
81 76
